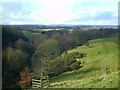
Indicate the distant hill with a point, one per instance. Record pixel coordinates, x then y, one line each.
31 27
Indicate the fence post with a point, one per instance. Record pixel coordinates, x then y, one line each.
36 83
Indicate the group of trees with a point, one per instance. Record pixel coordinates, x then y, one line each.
41 53
15 56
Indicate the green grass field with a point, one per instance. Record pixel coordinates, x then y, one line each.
100 67
27 33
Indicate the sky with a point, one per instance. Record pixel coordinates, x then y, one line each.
83 12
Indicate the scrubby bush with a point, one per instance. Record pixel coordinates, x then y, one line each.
70 62
75 65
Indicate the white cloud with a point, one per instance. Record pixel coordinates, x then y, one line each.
56 10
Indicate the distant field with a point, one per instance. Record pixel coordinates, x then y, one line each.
100 67
27 33
49 29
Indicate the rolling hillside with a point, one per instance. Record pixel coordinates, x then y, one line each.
100 67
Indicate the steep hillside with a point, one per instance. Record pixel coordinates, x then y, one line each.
100 67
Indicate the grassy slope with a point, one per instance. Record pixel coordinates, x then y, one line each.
92 74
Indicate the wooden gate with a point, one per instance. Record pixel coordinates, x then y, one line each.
41 83
36 83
